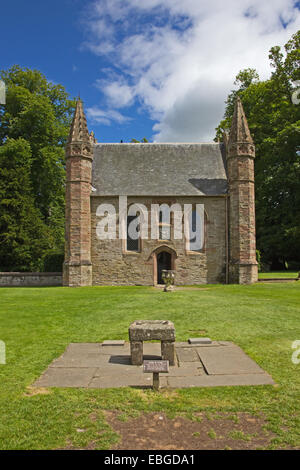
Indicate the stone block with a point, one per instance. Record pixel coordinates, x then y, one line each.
113 342
145 330
194 341
136 351
168 352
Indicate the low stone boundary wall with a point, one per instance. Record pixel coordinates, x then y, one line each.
8 279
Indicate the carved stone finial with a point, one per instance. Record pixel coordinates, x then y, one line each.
79 130
240 140
93 138
239 131
225 138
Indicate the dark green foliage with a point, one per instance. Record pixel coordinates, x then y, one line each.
143 141
37 117
258 258
23 235
274 122
53 262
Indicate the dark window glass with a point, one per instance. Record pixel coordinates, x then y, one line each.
132 245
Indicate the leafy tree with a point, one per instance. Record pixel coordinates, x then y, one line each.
23 235
143 141
39 113
274 122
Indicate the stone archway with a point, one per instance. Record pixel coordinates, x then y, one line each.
163 258
164 261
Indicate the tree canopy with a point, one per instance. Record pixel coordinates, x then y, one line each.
34 125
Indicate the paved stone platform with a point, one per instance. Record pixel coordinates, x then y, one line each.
97 365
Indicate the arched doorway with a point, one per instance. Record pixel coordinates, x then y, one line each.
163 257
164 261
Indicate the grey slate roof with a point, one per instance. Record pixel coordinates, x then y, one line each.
159 169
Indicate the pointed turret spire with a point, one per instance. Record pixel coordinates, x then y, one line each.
240 141
79 130
239 131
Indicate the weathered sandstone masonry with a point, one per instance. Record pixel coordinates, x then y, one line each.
219 176
240 168
77 269
113 265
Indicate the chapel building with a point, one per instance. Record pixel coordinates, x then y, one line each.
207 185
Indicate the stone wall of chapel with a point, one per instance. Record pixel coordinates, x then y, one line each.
112 265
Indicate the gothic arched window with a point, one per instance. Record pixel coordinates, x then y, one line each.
195 235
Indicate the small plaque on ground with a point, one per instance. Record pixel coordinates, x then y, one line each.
156 366
113 342
200 341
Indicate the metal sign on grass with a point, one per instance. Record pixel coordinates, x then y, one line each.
156 366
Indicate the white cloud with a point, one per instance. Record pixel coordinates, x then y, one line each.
178 59
102 116
118 93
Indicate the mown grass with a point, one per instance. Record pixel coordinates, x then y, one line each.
37 324
278 275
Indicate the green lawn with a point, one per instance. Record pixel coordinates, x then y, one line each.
278 275
38 323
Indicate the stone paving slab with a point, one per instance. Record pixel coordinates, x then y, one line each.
112 350
220 380
129 381
81 349
190 365
110 370
92 365
83 360
186 344
66 377
187 355
113 342
227 360
186 371
148 348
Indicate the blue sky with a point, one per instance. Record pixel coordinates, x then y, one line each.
160 69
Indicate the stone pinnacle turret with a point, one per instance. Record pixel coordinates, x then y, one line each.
79 156
240 167
239 131
79 130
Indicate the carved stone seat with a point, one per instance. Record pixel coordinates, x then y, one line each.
147 330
